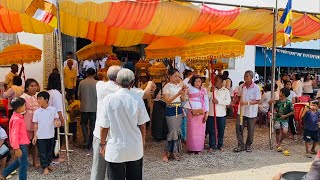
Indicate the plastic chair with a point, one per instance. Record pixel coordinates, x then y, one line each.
304 98
5 104
298 108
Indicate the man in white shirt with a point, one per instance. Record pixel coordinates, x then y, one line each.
102 63
249 96
124 119
221 100
105 88
89 64
75 62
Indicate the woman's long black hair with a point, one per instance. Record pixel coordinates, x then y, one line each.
54 82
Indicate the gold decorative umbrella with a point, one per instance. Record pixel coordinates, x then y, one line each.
165 47
199 51
130 49
213 46
94 51
19 54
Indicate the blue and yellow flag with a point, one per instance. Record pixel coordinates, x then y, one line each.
286 20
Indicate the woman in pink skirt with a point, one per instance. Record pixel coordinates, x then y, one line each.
198 107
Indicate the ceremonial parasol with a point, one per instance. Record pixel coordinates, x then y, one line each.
213 46
19 54
199 51
130 49
165 47
94 51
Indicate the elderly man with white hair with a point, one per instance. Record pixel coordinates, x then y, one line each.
125 118
105 88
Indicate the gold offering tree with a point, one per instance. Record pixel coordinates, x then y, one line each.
158 72
142 67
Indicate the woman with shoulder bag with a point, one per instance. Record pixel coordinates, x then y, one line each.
198 108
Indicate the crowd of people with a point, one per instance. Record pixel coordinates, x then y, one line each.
115 111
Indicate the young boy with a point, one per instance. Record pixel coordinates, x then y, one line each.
18 139
45 119
311 117
4 150
284 109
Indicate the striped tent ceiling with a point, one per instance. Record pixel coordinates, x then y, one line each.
127 23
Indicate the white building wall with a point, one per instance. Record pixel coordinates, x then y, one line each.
242 65
33 70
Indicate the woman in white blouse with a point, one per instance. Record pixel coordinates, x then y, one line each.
297 84
56 101
174 94
198 101
308 85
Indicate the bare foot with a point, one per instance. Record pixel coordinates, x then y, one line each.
36 164
46 171
51 168
165 158
2 177
210 150
221 149
58 160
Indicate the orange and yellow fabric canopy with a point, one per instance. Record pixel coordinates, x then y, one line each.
127 23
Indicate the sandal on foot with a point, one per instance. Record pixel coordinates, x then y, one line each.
279 149
176 157
308 155
286 153
236 150
248 149
313 151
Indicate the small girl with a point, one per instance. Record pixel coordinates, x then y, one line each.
292 97
30 96
19 140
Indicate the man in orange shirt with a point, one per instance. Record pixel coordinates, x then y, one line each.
70 79
8 82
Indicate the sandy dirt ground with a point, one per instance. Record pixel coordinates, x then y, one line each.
261 164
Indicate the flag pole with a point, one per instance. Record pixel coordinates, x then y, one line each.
273 71
59 41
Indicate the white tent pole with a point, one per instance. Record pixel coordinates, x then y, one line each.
273 71
66 134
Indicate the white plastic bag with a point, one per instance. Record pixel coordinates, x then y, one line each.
56 148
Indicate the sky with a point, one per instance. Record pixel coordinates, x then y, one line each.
300 5
306 45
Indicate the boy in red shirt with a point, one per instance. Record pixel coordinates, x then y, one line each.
18 140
